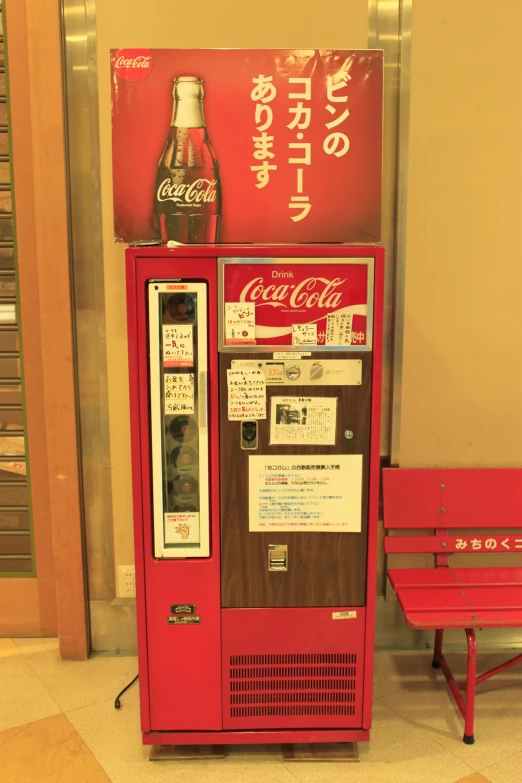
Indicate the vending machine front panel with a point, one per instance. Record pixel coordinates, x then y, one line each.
255 378
178 327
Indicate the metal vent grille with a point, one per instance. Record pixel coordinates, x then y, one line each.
292 684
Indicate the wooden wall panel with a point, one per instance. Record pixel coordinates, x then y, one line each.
38 143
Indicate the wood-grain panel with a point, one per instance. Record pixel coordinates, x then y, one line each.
325 569
42 228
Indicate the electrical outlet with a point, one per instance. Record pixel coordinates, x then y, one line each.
126 581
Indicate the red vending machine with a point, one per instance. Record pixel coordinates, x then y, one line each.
255 380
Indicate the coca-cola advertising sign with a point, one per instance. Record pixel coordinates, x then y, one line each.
321 304
133 65
240 146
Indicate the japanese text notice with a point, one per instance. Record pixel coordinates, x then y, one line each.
308 420
305 493
179 392
182 528
178 346
339 328
246 395
240 323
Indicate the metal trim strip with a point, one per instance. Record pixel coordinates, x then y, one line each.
403 140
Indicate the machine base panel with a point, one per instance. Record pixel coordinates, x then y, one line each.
328 751
310 736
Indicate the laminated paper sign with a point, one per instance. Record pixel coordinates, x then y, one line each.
178 346
308 420
246 394
240 323
178 392
305 493
182 528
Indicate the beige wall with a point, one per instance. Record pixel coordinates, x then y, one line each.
229 23
462 373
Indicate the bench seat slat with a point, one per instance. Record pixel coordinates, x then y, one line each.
511 618
465 599
452 577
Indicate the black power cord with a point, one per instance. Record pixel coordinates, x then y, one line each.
117 703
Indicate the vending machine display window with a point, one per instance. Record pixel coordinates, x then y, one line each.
178 410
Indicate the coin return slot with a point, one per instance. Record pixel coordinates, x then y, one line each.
277 557
249 435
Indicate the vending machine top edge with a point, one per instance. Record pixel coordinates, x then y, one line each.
255 391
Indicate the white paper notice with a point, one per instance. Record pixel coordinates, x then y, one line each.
182 528
308 420
246 394
304 334
178 346
178 392
305 493
339 329
240 323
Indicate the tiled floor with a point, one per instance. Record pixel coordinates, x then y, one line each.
58 725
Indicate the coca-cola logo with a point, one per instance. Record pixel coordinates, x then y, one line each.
310 292
133 65
201 191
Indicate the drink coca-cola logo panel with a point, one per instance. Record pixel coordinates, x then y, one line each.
273 146
289 294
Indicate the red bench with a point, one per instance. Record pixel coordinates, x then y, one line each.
468 500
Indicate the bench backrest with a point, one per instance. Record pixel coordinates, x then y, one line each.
441 499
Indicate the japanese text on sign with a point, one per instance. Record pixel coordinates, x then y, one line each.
263 94
178 348
339 328
178 392
304 334
246 395
309 420
489 544
321 493
182 528
301 121
337 143
240 323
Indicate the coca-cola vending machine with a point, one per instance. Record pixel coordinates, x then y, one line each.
255 381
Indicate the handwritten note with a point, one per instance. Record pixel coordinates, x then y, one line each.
178 348
179 392
240 323
304 334
246 394
339 328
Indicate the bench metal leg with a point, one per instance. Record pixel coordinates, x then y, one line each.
437 652
471 682
466 706
497 670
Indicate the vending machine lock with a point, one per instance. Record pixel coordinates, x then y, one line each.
249 435
277 557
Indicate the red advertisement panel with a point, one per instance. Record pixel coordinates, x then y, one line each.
240 146
323 304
